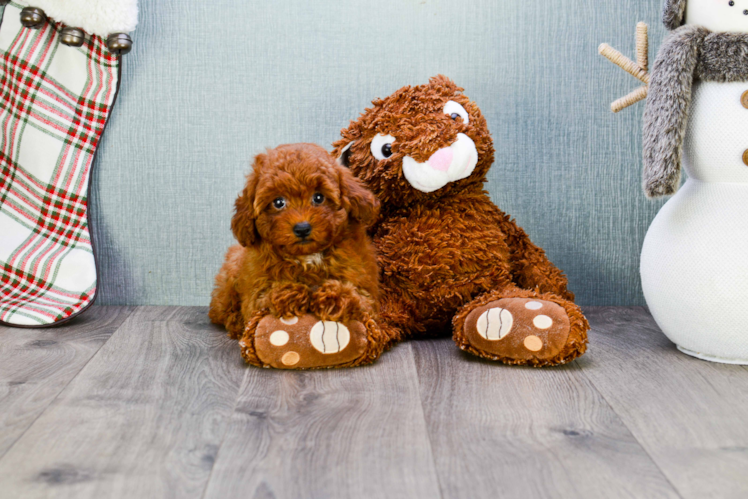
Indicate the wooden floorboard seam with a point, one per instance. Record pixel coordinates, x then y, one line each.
226 432
426 423
623 422
62 389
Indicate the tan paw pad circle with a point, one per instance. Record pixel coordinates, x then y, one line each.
542 322
533 343
279 338
329 337
290 358
495 324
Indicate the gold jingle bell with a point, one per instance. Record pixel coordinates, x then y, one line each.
72 36
119 43
33 18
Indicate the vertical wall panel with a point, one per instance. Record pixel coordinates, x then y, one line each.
210 84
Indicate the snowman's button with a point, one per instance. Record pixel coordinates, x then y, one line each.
744 99
745 157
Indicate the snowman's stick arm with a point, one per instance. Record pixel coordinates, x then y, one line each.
624 63
624 102
642 46
638 69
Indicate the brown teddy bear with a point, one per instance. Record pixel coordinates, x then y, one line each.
449 259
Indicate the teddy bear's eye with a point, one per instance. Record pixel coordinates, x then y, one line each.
318 198
455 111
279 203
732 3
381 146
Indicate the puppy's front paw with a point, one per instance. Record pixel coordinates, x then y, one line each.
336 301
306 342
288 299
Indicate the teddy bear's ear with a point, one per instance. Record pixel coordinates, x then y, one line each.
673 13
345 156
360 203
243 222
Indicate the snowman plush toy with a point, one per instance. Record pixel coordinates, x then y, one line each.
694 263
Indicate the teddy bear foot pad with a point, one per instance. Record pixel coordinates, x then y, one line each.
518 330
306 342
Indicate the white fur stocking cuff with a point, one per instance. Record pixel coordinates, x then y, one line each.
97 17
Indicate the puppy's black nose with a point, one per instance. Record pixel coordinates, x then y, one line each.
302 229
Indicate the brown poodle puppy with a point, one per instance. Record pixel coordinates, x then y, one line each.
449 258
301 289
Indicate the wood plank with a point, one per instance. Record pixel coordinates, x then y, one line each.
37 364
690 415
342 433
501 431
144 418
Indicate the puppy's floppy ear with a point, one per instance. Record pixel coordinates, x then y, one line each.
360 203
243 222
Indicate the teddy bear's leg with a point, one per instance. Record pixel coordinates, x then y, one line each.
530 267
340 330
394 319
522 327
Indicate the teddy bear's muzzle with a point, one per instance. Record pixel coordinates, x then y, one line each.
446 165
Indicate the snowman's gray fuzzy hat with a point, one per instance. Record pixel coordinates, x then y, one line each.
673 13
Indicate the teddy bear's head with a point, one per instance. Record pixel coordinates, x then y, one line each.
714 15
421 142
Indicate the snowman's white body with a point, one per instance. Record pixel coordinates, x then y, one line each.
694 263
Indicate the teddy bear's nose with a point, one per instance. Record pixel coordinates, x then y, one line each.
442 159
302 229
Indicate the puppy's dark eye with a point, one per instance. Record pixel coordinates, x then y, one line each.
732 4
279 203
387 150
454 116
318 198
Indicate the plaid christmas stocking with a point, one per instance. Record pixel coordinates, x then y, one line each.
55 99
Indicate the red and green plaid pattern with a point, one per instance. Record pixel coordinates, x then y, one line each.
54 104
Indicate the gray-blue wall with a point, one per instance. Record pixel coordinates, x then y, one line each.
211 83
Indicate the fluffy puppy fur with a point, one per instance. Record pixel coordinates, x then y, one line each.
278 270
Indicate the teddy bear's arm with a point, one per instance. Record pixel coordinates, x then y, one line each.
666 112
531 268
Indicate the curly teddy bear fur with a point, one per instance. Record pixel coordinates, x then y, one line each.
329 273
445 253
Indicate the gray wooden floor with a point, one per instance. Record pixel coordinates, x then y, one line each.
155 401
